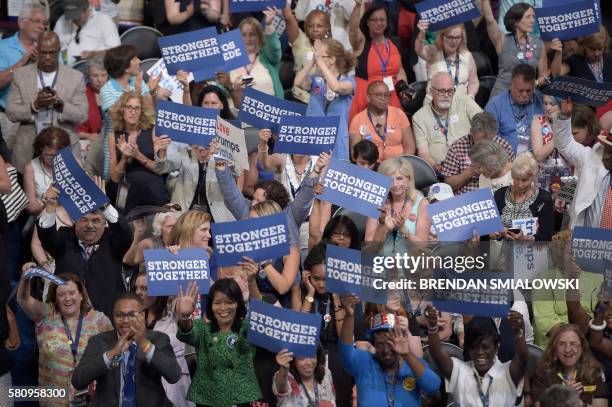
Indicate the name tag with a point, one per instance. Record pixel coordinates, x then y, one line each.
389 82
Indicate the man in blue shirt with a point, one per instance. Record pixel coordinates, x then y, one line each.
393 376
515 108
15 52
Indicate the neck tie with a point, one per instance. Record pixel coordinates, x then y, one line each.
606 212
129 379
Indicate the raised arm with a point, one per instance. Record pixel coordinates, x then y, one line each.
597 326
495 34
540 150
269 162
292 28
443 361
235 202
34 309
356 37
557 67
173 13
518 364
473 81
574 152
348 325
426 52
283 281
302 78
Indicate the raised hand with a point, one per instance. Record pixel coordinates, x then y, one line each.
400 344
567 105
284 358
322 161
250 266
310 290
160 146
264 136
349 301
423 25
516 321
49 199
431 314
269 14
556 45
139 330
186 301
183 78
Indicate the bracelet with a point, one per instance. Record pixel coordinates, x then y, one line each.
317 172
597 327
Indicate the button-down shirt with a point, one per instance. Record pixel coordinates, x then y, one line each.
11 51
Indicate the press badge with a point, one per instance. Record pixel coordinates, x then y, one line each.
389 82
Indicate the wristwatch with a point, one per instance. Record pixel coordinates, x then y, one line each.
309 299
265 264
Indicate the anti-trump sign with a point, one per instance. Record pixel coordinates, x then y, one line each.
306 135
568 21
265 111
581 91
276 328
240 6
445 13
343 270
232 145
263 238
191 51
186 124
591 247
350 186
41 272
166 271
78 193
233 52
456 218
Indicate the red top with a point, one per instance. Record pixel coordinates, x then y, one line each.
94 115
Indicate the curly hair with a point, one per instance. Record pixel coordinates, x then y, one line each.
147 116
275 191
588 368
54 137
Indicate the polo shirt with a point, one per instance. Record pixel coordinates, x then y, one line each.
373 386
11 51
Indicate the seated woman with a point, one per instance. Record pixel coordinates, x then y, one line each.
449 54
385 125
392 363
484 377
303 381
490 161
568 360
524 200
131 153
96 78
162 225
64 324
225 371
405 216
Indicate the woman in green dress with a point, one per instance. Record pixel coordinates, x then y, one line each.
225 374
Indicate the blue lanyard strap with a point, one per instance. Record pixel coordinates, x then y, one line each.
311 402
383 62
42 81
443 126
484 397
74 343
448 67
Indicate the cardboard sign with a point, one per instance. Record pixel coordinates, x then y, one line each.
41 272
240 6
306 135
232 144
191 50
581 91
445 13
264 111
591 247
166 271
79 195
186 124
568 21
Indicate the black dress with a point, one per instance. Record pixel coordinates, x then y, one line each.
144 186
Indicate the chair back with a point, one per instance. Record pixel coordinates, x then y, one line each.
145 39
484 90
424 175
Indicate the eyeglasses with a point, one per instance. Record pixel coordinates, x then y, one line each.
129 315
381 95
38 21
442 92
451 38
133 108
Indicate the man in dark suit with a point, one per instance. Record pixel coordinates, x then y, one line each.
93 248
128 362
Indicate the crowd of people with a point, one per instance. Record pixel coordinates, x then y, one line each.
107 342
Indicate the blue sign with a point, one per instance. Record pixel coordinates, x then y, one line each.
552 3
306 135
191 50
41 272
568 21
186 124
591 247
240 6
360 189
264 238
456 218
343 270
581 91
276 328
445 13
485 294
264 111
166 271
79 195
234 56
608 277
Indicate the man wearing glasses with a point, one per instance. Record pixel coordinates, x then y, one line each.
42 95
441 123
15 52
129 362
84 32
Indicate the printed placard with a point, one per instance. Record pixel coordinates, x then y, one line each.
78 193
350 186
568 21
591 247
186 124
306 135
240 6
166 271
445 13
168 81
263 238
234 56
343 270
41 272
456 218
191 50
264 111
529 226
232 144
581 91
276 328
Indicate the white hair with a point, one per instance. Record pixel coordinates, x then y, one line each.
31 8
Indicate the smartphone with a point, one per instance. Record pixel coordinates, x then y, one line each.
515 231
48 90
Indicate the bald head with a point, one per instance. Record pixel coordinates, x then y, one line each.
442 91
48 51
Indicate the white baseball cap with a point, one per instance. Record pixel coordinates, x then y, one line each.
440 192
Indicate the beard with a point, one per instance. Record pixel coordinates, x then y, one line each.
444 104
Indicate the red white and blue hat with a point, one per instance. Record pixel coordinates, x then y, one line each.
380 322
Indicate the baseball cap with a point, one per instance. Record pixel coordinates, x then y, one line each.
440 192
380 322
74 8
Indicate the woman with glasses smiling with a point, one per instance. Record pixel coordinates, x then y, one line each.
131 153
449 54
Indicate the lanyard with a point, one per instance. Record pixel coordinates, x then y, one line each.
311 402
448 68
42 81
523 56
327 316
391 396
383 62
443 126
566 378
484 398
598 74
383 135
248 67
74 343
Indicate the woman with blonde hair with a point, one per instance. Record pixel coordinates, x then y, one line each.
449 54
191 230
403 216
131 153
568 360
163 222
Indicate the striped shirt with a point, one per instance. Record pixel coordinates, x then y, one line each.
16 200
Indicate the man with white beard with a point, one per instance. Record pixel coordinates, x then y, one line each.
437 125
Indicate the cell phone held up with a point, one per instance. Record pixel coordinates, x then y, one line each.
48 90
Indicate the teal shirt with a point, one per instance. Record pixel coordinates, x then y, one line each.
11 51
270 57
